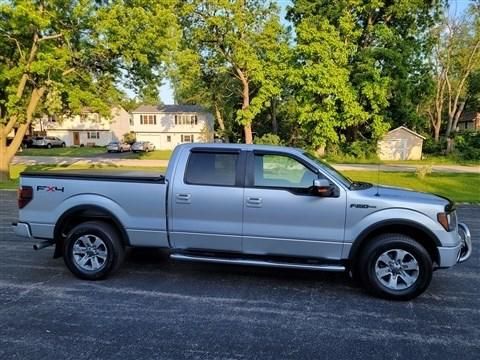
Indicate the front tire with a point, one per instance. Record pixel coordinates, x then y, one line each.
93 250
395 266
49 146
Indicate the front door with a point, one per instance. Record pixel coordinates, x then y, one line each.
282 216
76 138
207 202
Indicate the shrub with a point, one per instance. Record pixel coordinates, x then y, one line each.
467 145
434 148
352 152
130 137
268 139
422 171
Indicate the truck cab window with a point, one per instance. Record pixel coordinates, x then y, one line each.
282 171
211 169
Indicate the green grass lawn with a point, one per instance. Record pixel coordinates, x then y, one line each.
152 155
428 160
458 187
15 170
92 151
67 151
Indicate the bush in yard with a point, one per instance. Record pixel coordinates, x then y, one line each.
352 152
268 139
434 148
467 145
422 171
130 137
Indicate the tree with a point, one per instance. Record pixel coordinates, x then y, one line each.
199 80
63 56
360 65
240 38
456 58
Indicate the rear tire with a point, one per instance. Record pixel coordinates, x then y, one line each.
93 250
395 266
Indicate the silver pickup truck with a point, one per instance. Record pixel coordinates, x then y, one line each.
248 205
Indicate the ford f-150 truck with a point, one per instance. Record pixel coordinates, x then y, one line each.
250 205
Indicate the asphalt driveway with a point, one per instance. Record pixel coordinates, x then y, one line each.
157 308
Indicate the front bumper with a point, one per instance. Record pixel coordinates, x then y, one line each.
22 230
450 256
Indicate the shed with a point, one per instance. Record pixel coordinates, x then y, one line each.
400 144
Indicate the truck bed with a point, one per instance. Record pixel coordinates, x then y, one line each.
135 199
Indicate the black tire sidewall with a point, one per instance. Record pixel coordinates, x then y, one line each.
385 243
108 235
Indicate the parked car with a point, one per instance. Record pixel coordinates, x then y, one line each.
47 142
27 141
118 146
246 205
145 146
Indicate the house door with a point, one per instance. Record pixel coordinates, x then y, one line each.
76 138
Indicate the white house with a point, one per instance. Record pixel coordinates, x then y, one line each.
88 128
166 126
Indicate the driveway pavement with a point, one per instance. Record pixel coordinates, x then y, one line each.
157 308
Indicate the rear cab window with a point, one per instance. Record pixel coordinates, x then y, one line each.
212 168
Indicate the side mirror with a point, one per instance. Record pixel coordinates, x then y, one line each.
322 187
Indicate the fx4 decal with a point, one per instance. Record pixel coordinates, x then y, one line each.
50 188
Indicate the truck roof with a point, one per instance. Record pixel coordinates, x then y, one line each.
285 149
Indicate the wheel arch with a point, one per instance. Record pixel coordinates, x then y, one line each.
80 214
417 231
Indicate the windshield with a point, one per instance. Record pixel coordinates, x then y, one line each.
330 170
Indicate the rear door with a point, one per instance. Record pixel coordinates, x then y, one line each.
282 216
207 201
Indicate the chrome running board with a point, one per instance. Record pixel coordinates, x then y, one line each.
250 262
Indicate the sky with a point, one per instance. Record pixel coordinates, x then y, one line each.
457 7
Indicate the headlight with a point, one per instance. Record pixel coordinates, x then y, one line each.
448 220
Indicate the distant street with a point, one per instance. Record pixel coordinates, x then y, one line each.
121 160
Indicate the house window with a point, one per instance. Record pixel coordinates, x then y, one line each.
169 138
148 119
187 138
93 135
186 120
131 121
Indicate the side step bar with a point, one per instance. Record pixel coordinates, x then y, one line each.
264 263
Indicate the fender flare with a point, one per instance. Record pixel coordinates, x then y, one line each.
364 236
79 208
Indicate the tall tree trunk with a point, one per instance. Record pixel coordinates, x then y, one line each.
436 132
221 123
247 126
4 161
8 152
273 109
457 116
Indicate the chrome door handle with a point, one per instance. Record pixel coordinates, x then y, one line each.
254 202
183 198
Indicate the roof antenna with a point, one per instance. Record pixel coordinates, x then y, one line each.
378 179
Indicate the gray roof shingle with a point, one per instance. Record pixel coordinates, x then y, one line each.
168 108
